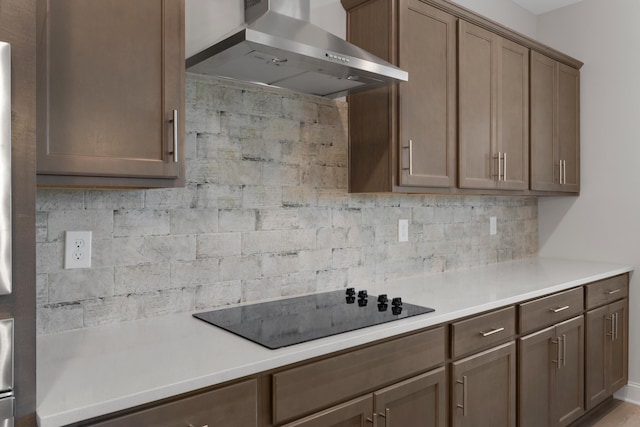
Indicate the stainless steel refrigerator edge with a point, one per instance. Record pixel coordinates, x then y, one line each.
5 168
7 399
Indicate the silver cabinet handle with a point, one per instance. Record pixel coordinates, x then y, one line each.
559 309
175 135
558 352
615 329
613 292
373 420
499 166
610 333
386 416
491 332
564 350
560 172
504 172
464 395
564 172
411 157
410 148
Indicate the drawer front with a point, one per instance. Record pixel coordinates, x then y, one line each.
608 290
318 385
552 309
232 406
482 331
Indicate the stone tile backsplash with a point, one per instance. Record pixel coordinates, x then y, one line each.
265 213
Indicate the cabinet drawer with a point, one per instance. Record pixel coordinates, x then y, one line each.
318 385
552 309
232 406
608 290
482 331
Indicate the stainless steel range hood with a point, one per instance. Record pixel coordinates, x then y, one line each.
280 47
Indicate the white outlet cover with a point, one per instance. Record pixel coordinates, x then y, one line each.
77 249
493 226
403 230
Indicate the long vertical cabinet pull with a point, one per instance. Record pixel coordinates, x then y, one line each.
610 333
504 169
499 166
564 172
386 416
558 343
410 148
564 350
464 395
373 420
175 136
411 157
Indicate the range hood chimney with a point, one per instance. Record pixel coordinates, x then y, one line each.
278 46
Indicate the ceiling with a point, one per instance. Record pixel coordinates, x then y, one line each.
538 7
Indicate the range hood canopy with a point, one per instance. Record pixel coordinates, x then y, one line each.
278 46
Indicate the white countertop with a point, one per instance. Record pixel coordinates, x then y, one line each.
90 372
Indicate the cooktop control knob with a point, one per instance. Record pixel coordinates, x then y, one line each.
396 302
351 292
382 299
362 294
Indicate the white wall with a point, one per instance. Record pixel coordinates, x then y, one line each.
208 21
604 222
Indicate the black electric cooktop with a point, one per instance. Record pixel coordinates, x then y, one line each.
277 324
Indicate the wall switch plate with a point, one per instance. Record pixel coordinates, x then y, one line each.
77 249
403 230
493 226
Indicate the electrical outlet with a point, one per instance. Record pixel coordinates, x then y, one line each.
493 226
77 249
403 230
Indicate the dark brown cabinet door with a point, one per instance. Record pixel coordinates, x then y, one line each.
551 375
494 110
354 413
618 363
569 127
483 388
513 116
427 46
231 406
606 351
537 358
113 74
555 125
478 83
568 393
598 337
420 401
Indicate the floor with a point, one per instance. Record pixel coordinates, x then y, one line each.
615 414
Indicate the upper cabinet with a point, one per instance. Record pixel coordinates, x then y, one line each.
404 138
494 110
555 125
471 116
111 102
428 100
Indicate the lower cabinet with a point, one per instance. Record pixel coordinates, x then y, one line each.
231 406
419 401
483 388
606 351
551 375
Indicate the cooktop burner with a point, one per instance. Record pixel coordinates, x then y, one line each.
277 324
